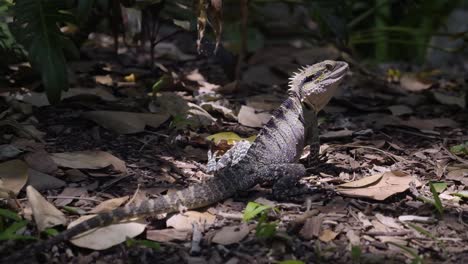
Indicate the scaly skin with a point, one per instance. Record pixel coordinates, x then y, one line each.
272 157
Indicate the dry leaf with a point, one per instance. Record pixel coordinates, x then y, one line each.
390 183
231 234
13 176
108 236
166 235
8 151
327 235
126 122
69 192
41 161
399 110
411 82
184 221
109 205
219 109
89 160
248 117
429 124
103 79
362 182
311 228
45 214
388 221
41 181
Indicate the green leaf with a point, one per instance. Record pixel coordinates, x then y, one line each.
9 214
9 233
437 202
422 230
146 243
51 232
356 254
461 149
291 261
265 230
439 186
36 28
253 209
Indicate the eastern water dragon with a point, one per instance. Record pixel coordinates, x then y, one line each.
272 157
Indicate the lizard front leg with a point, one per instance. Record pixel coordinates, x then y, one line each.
231 157
312 137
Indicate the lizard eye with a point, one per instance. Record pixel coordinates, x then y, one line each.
329 66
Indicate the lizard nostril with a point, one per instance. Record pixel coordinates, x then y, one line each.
329 66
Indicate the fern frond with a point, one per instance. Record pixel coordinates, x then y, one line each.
36 27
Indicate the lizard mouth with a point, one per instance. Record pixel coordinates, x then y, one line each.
338 72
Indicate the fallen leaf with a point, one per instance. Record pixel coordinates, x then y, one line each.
362 182
388 221
184 221
457 174
399 110
89 160
45 214
41 181
8 151
41 161
108 236
411 82
390 183
327 235
167 235
126 122
69 192
103 79
311 228
248 117
109 205
429 124
13 176
230 137
447 99
231 234
130 78
219 109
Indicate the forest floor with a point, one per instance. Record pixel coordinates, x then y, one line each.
394 140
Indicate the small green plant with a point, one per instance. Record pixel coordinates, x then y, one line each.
461 149
356 254
416 258
9 233
291 261
437 202
258 211
143 242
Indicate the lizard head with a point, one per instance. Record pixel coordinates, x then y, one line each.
316 84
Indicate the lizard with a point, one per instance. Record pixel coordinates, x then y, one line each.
272 157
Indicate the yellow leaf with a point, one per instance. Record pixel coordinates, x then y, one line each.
230 137
130 78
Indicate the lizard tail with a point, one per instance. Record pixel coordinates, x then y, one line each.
195 196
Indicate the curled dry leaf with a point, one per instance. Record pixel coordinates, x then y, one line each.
89 160
108 236
109 205
379 186
248 117
41 181
45 214
126 122
13 176
184 221
231 234
217 108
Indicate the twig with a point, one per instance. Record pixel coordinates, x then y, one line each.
392 156
68 197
